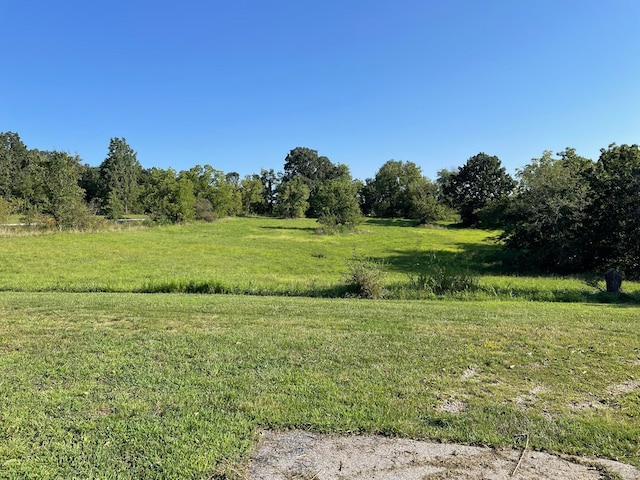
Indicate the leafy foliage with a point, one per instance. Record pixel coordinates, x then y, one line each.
615 211
549 215
167 198
571 215
339 205
480 181
5 210
270 182
64 197
252 194
13 159
400 191
304 164
293 198
119 174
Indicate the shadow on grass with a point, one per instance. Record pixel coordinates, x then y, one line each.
485 259
390 222
291 227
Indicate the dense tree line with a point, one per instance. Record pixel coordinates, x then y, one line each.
571 214
562 213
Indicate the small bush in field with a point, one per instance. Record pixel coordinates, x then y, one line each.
440 278
366 277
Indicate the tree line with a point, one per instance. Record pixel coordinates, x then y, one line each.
561 213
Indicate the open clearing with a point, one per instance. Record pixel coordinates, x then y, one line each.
100 380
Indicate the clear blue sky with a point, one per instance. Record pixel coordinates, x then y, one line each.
237 84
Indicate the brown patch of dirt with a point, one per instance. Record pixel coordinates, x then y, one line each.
452 406
298 455
625 387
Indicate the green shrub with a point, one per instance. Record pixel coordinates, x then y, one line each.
366 277
5 210
440 278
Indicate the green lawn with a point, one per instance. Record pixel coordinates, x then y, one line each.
176 386
140 385
261 256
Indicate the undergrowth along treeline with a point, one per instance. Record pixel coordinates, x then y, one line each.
268 256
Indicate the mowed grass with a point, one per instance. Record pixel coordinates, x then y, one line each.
263 256
137 385
97 385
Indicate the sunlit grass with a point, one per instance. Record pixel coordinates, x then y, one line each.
263 256
176 386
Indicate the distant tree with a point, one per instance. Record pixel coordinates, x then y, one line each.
390 188
233 178
113 209
270 181
480 181
399 190
214 186
167 198
338 204
292 198
251 190
13 159
90 182
64 197
423 203
119 174
304 164
30 192
444 182
548 217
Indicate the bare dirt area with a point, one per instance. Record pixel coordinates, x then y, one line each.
298 455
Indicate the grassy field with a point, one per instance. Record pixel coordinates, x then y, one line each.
176 386
264 256
97 381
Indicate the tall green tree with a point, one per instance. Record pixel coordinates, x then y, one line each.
292 198
338 204
168 198
217 188
119 174
399 190
13 160
64 197
423 202
481 180
270 181
444 182
305 165
615 229
548 218
251 190
90 183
